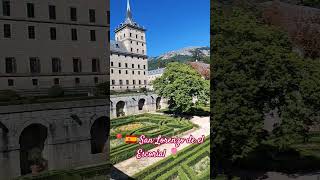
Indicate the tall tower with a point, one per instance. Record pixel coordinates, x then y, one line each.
131 34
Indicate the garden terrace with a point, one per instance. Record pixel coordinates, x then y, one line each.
150 125
192 163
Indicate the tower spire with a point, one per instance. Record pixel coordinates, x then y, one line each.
129 15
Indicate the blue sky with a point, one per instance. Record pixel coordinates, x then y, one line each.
170 24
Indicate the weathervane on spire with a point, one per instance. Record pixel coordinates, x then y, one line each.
129 15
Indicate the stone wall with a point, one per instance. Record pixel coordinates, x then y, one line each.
68 126
68 142
131 104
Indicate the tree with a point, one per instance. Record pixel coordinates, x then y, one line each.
256 72
180 83
196 54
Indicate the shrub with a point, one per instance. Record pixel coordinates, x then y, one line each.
103 88
56 91
8 95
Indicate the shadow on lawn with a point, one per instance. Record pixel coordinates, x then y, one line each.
194 111
268 159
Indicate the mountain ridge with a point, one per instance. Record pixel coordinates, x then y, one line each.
183 55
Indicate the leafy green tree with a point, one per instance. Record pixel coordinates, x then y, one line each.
180 83
256 72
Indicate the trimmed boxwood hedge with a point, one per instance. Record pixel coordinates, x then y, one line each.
167 165
169 126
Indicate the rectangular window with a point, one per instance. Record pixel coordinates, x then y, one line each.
119 64
111 63
6 8
96 80
77 81
134 81
126 71
132 65
138 66
35 82
56 65
127 81
76 65
52 12
126 64
119 71
132 72
92 35
7 31
53 33
31 32
30 10
56 81
111 71
113 82
73 14
139 81
120 82
35 65
95 65
10 82
92 15
144 66
145 82
139 72
108 14
74 35
11 66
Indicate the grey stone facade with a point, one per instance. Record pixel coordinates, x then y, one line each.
21 48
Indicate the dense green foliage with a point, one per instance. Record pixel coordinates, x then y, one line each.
55 91
181 166
103 88
311 3
8 95
180 83
255 72
152 125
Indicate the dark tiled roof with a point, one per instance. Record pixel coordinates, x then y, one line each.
118 47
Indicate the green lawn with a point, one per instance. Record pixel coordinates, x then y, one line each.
150 125
191 163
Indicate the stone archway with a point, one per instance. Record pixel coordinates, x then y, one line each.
141 104
120 108
158 101
99 134
32 141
